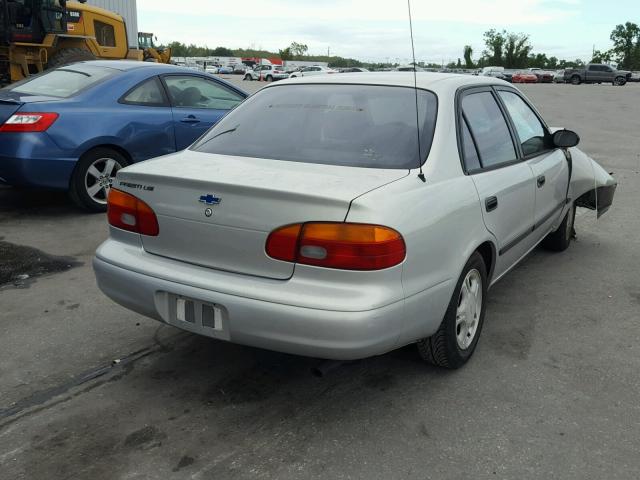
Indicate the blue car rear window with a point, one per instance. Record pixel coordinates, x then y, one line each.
63 82
352 125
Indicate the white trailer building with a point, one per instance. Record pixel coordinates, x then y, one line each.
129 11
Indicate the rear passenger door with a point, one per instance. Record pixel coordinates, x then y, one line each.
197 103
548 164
505 183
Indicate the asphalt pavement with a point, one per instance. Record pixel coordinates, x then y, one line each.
89 390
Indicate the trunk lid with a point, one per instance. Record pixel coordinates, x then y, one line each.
248 198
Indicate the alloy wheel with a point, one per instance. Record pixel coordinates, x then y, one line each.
99 178
469 309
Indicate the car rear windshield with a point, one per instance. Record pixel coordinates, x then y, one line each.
335 124
63 82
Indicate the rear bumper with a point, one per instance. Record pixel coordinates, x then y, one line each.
273 326
34 160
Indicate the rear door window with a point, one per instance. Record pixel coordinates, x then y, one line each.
352 125
148 93
489 129
64 82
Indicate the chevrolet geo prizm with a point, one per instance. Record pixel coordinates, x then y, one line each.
355 214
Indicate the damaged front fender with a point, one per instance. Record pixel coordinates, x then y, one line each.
591 185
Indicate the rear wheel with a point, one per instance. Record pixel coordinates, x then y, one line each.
456 339
248 77
93 176
575 80
559 240
269 78
69 55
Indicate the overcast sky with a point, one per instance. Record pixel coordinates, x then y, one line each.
377 30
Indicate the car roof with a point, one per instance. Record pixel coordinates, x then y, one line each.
127 65
436 82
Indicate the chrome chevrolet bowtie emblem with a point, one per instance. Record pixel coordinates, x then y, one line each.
210 199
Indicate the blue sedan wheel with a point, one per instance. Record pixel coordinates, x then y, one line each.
93 176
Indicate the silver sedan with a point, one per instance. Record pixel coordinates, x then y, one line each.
346 216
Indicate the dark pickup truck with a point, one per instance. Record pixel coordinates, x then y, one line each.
596 73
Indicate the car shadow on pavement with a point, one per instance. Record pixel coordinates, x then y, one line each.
35 202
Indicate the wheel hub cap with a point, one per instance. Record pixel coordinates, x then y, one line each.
469 309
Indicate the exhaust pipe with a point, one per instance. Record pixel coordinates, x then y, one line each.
324 367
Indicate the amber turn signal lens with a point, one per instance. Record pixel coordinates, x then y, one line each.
346 246
130 213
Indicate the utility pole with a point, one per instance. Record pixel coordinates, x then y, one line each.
328 51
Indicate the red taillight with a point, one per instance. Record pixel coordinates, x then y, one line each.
29 122
130 213
347 246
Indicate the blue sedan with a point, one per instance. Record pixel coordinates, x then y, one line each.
74 127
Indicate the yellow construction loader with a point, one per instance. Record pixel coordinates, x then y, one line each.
150 52
39 34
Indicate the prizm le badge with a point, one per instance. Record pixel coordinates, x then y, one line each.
210 199
137 186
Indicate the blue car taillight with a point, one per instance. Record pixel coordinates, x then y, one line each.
29 122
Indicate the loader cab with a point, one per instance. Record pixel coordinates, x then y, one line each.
29 21
145 40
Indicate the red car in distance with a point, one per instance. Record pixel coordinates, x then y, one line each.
524 77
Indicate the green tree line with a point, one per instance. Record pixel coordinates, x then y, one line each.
501 48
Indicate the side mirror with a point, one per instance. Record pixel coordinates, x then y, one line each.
565 139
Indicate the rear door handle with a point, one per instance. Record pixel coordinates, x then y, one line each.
541 181
190 119
491 203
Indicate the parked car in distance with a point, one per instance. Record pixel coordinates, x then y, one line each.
74 127
558 76
310 219
240 69
224 69
524 76
596 73
311 71
268 73
408 68
543 75
212 69
353 70
508 75
495 72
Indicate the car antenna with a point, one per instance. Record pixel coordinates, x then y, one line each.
415 88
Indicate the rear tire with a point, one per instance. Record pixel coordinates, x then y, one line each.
269 78
248 78
456 339
559 240
93 176
69 55
575 80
